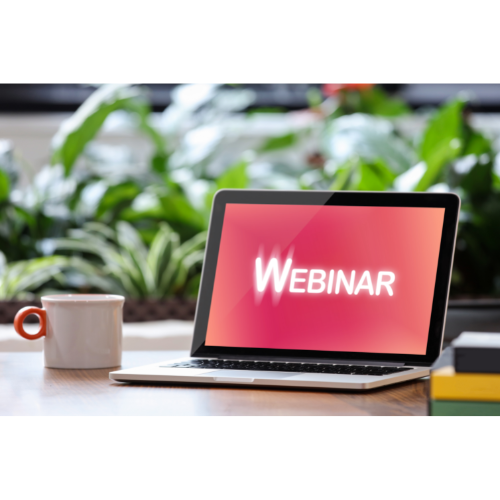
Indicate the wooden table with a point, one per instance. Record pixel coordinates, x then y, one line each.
27 388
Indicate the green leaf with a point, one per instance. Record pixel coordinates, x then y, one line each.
280 142
26 216
375 177
234 178
357 174
189 263
116 198
24 276
342 177
134 255
476 143
177 211
75 133
194 244
4 186
94 276
162 247
131 215
442 142
478 181
159 162
375 101
169 276
370 138
130 240
193 286
209 198
100 229
143 111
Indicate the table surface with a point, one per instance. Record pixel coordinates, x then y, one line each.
27 388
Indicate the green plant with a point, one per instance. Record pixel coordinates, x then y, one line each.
461 159
72 138
355 140
20 279
363 152
88 183
117 261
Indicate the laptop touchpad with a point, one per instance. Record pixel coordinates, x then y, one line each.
248 375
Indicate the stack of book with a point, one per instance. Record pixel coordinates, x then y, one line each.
469 384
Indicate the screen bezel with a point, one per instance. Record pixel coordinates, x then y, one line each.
450 202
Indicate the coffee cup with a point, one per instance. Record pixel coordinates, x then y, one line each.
81 331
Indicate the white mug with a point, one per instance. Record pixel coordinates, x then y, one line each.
81 331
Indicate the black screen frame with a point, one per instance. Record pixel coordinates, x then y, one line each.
449 201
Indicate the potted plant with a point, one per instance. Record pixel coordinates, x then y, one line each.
160 282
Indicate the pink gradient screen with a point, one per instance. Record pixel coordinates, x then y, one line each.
401 240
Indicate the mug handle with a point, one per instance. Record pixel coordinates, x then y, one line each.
19 320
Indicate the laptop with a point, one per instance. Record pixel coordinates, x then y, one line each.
318 289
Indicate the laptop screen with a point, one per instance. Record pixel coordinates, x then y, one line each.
325 278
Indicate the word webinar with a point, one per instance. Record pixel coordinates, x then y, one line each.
315 280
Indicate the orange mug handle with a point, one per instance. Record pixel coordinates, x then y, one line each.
20 317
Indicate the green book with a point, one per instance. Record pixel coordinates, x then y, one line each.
463 408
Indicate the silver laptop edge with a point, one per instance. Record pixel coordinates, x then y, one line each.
159 373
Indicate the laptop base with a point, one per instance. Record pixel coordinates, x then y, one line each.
159 373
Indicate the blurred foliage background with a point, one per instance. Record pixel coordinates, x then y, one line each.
96 219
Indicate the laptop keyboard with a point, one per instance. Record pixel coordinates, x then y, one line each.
275 366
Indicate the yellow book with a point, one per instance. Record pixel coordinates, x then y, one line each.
449 385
